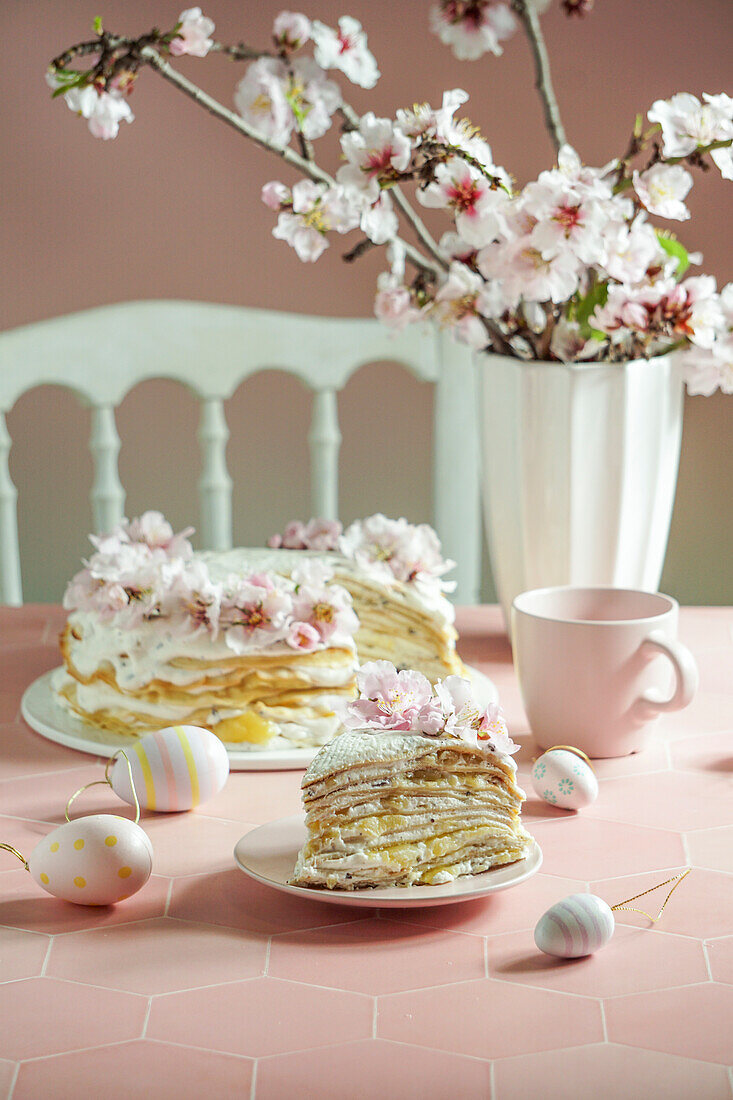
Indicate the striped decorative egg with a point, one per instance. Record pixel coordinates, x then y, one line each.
173 769
95 860
576 926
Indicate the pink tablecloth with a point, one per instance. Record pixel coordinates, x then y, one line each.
208 984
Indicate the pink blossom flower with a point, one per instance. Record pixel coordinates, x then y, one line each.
629 250
464 718
276 195
521 269
313 96
322 534
303 636
388 700
376 153
193 34
393 304
410 553
345 49
707 369
294 536
252 616
328 610
472 28
291 30
663 189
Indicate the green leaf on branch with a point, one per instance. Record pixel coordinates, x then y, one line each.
97 24
675 249
585 306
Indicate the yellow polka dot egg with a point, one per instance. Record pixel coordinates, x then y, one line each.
173 769
95 860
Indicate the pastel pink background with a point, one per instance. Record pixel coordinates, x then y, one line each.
171 210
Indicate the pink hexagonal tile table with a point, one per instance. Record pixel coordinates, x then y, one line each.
207 983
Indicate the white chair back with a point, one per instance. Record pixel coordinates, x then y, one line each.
101 354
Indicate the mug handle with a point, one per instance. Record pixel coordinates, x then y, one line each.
687 677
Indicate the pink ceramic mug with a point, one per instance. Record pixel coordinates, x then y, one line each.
596 666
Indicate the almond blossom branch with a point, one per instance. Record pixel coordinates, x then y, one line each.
351 118
531 20
306 167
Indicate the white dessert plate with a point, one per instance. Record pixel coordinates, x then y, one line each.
269 852
43 713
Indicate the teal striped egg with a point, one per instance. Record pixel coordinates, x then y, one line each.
173 769
578 925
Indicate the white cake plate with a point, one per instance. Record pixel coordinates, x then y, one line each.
268 854
43 713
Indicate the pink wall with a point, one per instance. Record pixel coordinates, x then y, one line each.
171 209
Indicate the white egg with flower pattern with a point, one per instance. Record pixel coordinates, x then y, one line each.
564 778
576 926
173 769
95 860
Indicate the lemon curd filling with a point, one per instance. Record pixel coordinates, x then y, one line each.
248 727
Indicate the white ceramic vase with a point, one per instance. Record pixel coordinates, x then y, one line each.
579 471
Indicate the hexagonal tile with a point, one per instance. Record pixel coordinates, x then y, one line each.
607 1071
712 752
703 628
150 956
47 1016
669 800
135 1071
693 1021
489 1019
720 953
22 835
7 1075
22 954
25 905
25 752
45 800
378 1069
376 956
635 959
190 844
711 848
701 905
260 1016
714 665
708 712
505 911
584 847
233 899
246 798
653 758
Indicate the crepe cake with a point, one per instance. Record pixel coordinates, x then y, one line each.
412 806
160 636
394 572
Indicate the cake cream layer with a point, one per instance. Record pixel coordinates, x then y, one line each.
403 809
131 681
410 625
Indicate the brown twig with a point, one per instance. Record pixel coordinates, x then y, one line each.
543 82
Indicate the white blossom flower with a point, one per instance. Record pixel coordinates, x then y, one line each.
316 210
476 206
456 306
393 304
687 123
629 250
193 37
345 49
663 189
313 96
474 29
523 271
568 345
260 99
377 152
291 30
565 221
104 111
276 195
707 369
